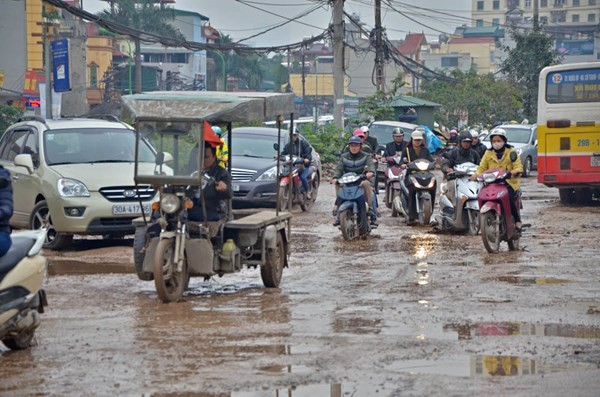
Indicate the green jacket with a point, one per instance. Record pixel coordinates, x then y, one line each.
354 163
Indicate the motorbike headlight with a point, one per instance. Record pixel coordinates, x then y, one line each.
169 203
488 178
415 182
72 188
268 175
431 183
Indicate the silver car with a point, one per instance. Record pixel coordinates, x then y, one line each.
524 138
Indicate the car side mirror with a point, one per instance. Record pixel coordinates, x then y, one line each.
535 143
513 156
163 157
276 146
24 160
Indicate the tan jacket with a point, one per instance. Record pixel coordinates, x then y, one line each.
490 162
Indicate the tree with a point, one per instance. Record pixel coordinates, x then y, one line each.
8 115
532 52
376 107
144 16
246 68
484 98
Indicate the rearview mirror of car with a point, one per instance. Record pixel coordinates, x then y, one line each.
276 146
24 160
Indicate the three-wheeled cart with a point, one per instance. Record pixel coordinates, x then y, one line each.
169 248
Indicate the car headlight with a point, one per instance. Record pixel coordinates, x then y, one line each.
268 175
169 203
71 188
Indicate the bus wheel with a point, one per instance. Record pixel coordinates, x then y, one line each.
567 196
583 196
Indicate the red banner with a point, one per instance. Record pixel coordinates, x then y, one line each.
32 80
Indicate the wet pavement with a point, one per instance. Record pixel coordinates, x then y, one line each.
405 312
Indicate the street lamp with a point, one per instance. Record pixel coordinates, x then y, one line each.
223 69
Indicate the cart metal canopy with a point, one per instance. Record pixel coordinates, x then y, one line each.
213 106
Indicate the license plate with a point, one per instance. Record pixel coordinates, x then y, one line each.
381 167
595 160
123 209
235 187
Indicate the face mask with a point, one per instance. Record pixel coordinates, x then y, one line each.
498 145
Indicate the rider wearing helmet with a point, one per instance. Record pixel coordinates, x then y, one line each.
463 153
396 146
365 147
476 144
370 140
223 150
498 157
356 160
416 150
300 148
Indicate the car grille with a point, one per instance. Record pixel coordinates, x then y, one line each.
242 175
128 193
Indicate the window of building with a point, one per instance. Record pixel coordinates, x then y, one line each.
527 3
93 75
591 17
479 23
496 22
492 57
496 4
575 18
480 6
575 3
559 3
592 2
543 3
449 62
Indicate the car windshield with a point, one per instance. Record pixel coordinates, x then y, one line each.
255 145
93 145
383 133
515 135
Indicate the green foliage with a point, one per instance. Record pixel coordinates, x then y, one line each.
485 98
326 142
375 106
8 115
532 52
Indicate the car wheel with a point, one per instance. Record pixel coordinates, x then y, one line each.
527 167
40 216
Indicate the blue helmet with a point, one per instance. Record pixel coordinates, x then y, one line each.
354 139
217 130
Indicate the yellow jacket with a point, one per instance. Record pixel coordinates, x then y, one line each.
490 162
223 154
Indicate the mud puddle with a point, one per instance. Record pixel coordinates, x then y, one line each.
529 280
468 331
72 267
475 366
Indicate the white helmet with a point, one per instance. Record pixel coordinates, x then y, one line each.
498 132
474 133
364 129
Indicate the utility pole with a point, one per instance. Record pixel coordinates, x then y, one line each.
47 62
536 16
338 63
378 49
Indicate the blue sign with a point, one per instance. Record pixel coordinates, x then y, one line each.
60 65
582 76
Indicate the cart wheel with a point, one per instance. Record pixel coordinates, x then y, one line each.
139 242
272 270
169 283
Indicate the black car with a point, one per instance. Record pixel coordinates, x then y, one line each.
254 165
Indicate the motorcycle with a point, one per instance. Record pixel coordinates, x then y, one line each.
496 221
352 210
298 195
460 213
22 298
423 180
392 185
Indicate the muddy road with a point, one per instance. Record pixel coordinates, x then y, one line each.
407 312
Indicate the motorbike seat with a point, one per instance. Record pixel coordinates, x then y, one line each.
18 250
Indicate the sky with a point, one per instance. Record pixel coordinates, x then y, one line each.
244 18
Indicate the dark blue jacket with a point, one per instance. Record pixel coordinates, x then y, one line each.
6 201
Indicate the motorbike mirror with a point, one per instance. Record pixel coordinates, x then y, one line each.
276 146
513 156
160 156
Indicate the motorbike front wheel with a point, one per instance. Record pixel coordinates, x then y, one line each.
21 342
284 195
490 231
348 225
473 217
170 283
425 213
513 244
396 205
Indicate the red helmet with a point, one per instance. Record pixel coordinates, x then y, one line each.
359 133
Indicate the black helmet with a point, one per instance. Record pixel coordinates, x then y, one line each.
465 136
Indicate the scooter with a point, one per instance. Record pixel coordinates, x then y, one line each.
22 272
352 210
392 185
461 212
496 220
423 180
